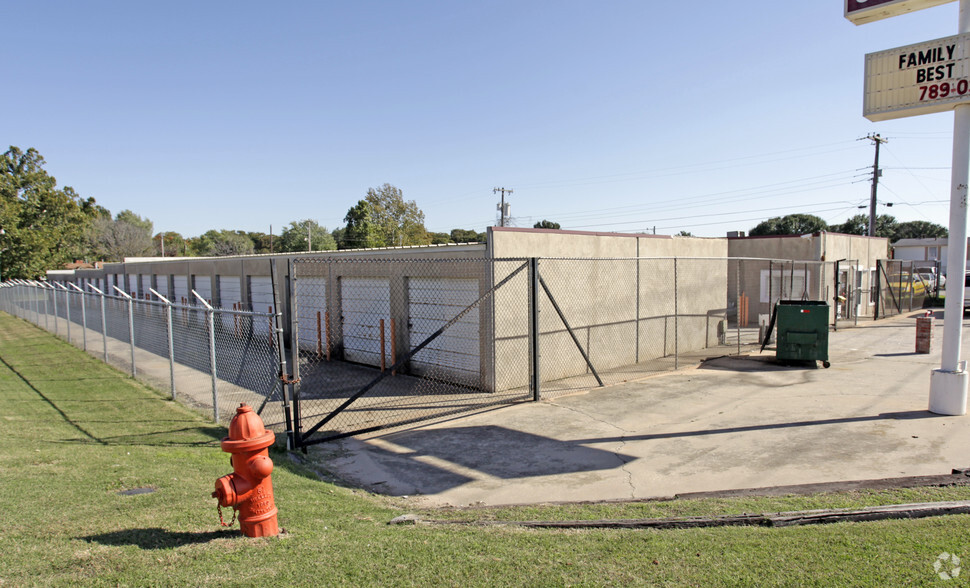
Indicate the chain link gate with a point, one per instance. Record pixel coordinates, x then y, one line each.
899 288
386 343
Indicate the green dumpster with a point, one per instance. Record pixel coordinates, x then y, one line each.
803 331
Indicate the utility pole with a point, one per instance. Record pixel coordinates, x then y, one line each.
161 238
502 208
308 247
877 140
271 238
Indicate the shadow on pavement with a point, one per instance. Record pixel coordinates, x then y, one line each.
506 453
886 416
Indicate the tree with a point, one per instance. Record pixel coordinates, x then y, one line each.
174 244
440 238
360 232
127 235
792 224
43 226
544 224
919 230
685 234
222 243
467 236
131 218
294 237
397 222
886 226
262 242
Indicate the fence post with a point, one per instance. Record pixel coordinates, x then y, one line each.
676 329
131 326
210 319
911 282
56 315
535 378
289 387
104 329
84 318
46 312
875 312
171 341
737 289
67 305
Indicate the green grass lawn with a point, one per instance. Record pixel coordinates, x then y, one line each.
74 433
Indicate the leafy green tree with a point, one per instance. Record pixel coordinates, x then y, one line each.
467 236
43 226
440 238
360 232
133 219
127 235
544 224
222 243
919 230
294 237
397 222
174 244
792 224
886 226
338 236
262 242
685 234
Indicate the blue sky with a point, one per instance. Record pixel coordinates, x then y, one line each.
620 115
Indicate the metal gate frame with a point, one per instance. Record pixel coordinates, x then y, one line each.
298 438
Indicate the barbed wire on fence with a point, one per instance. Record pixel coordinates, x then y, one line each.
376 344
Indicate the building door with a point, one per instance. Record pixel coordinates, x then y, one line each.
365 303
433 302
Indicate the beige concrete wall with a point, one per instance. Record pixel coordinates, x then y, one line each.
511 242
621 307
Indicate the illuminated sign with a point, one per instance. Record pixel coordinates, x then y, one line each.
917 79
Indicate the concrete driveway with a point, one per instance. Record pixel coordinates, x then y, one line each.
730 423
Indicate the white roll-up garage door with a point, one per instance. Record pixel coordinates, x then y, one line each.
433 302
365 301
230 297
261 293
311 305
181 289
230 292
145 285
203 286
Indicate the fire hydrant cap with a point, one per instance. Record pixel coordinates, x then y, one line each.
246 432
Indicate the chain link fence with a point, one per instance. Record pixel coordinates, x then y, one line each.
901 288
386 343
378 344
210 358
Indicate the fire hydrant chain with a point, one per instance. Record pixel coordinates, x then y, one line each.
221 521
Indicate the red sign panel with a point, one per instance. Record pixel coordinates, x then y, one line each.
863 11
854 5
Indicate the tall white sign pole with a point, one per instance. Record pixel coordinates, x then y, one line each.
948 385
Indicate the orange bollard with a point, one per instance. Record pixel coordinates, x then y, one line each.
249 488
383 353
319 338
328 334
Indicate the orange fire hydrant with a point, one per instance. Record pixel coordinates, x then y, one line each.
249 489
